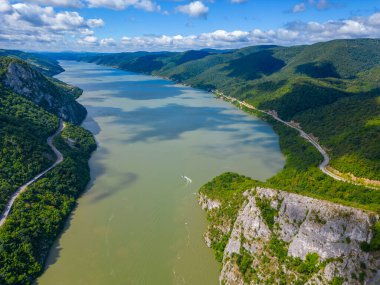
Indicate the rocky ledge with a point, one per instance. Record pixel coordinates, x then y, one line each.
51 94
284 238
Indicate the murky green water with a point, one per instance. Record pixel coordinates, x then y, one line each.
139 223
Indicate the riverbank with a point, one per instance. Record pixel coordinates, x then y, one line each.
271 236
54 162
324 166
39 214
301 173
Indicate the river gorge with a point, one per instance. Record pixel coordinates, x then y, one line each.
139 221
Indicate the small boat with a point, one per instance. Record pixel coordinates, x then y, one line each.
188 180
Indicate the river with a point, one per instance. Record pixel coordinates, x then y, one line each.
139 221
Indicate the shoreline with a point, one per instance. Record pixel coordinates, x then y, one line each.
324 166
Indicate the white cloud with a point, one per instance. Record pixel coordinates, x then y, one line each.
59 3
147 5
107 42
86 32
194 9
291 34
4 6
29 25
317 4
374 19
299 8
90 39
93 23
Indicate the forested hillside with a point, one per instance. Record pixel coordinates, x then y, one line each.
28 116
331 89
53 95
24 128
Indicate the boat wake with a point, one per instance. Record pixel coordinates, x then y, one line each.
187 179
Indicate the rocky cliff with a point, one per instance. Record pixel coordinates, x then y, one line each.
284 238
53 95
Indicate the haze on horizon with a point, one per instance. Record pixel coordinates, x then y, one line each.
175 25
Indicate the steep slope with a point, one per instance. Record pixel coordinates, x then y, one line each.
54 96
24 128
275 237
38 215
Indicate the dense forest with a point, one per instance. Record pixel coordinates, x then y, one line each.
331 88
24 128
38 215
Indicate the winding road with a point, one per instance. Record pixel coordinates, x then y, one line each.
38 176
326 159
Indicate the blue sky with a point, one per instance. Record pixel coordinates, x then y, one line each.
128 25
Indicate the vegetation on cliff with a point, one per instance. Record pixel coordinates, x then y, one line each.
38 215
51 94
24 128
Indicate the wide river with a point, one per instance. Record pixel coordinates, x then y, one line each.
139 222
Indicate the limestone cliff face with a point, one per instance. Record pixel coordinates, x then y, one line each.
284 238
54 96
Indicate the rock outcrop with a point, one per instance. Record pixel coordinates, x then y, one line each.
53 95
284 238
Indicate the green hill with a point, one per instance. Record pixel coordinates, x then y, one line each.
298 82
44 64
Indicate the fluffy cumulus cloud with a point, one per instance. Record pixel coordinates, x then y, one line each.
107 42
299 8
290 34
89 40
94 23
29 25
58 3
4 6
146 5
317 4
194 9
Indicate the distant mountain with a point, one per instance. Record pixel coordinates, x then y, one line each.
46 65
300 83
